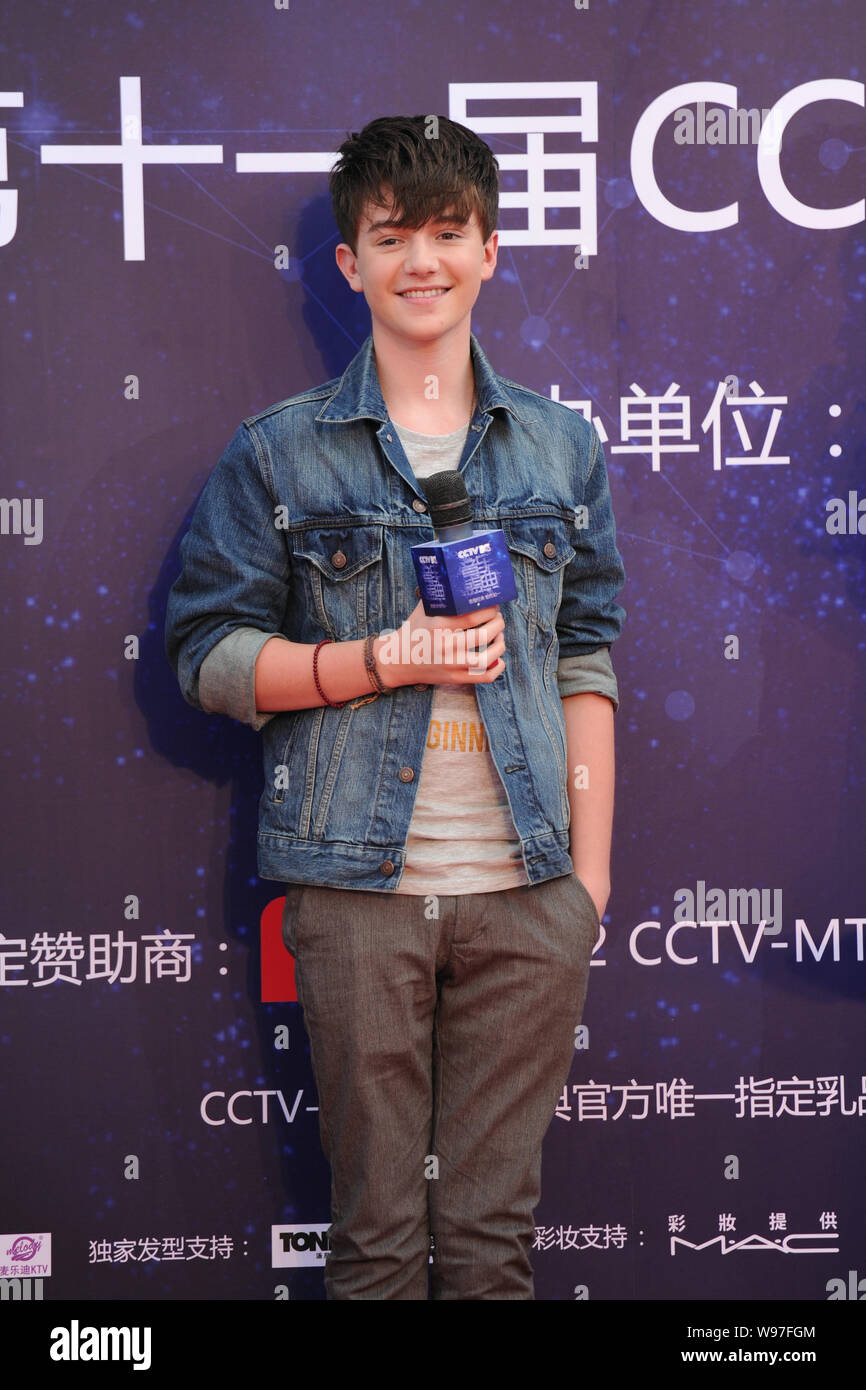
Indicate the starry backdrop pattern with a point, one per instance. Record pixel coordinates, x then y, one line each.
742 773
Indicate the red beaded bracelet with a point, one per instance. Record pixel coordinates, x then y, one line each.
335 704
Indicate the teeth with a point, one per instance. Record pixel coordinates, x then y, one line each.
422 294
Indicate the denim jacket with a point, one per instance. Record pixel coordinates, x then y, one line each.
303 531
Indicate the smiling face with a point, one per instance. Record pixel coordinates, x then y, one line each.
420 283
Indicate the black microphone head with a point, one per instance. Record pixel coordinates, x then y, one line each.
448 499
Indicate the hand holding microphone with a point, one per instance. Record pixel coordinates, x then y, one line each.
456 632
466 649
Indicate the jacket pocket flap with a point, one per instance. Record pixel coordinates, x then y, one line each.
543 538
340 551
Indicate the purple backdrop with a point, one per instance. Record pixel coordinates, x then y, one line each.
719 1101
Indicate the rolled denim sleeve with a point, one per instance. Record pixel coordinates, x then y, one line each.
591 673
227 679
234 582
589 617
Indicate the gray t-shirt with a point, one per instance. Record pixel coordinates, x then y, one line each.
461 837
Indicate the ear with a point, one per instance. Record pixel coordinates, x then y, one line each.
348 263
491 248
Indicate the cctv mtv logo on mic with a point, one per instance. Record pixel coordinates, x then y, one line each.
462 569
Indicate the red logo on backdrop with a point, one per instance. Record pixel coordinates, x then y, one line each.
278 965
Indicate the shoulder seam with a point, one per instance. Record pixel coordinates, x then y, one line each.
593 453
263 458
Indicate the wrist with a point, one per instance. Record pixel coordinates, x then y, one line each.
597 889
388 672
599 883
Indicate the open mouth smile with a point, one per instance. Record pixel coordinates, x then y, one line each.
423 294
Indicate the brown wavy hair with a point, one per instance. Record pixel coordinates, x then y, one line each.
429 172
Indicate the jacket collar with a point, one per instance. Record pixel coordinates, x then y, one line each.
359 394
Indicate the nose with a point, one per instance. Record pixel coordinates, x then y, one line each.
422 256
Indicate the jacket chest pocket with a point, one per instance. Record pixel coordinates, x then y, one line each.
342 576
540 551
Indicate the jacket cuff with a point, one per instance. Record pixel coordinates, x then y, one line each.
591 672
227 679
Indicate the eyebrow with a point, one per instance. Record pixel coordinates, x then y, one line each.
437 221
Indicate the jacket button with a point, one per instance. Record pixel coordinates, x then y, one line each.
418 505
417 592
338 559
387 867
550 550
420 687
406 774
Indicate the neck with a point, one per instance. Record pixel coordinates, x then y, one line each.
405 371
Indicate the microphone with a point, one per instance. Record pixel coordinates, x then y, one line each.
463 568
450 508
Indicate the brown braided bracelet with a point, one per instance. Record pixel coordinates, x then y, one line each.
335 704
370 665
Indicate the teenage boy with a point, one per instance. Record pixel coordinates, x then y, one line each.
442 823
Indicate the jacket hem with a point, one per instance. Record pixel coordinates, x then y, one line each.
332 864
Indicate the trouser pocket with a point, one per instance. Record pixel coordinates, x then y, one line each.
291 912
587 899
